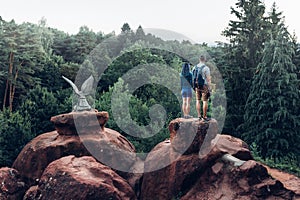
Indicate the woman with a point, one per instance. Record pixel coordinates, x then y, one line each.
186 89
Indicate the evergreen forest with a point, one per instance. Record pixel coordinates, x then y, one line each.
256 73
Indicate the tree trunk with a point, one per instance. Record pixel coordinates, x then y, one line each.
8 80
5 94
12 91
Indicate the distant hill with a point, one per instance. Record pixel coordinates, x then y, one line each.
167 34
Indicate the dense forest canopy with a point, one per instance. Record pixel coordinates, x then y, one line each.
256 77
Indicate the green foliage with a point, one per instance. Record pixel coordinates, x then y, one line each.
14 135
125 62
22 56
287 164
46 36
140 34
271 115
125 28
247 35
147 95
50 73
40 105
75 48
138 113
85 42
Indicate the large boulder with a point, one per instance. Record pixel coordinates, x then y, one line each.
250 181
290 181
80 178
75 123
173 166
194 174
83 138
187 136
11 184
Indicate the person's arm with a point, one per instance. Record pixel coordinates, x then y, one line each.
191 80
181 82
208 79
193 86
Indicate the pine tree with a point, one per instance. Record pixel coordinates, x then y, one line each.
22 56
271 117
14 135
85 42
126 28
247 35
296 58
140 34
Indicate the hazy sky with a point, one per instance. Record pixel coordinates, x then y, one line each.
199 20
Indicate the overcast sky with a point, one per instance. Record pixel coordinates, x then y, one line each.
199 20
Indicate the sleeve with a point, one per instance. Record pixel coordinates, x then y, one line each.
206 71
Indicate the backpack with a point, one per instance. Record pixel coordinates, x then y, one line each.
198 80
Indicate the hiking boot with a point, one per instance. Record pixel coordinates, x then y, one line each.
206 119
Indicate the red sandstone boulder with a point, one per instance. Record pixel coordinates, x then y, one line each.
74 122
106 145
135 177
80 178
202 173
228 144
44 149
173 166
11 184
247 182
289 181
166 183
233 146
187 136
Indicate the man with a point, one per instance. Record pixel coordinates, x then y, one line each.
202 92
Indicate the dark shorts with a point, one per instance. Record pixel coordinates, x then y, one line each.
202 93
186 92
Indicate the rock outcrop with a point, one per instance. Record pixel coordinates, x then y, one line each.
202 173
80 178
186 166
82 159
11 184
248 182
105 144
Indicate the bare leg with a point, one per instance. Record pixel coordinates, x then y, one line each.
198 107
188 107
184 102
205 107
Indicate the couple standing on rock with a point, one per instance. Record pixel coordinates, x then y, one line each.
190 80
